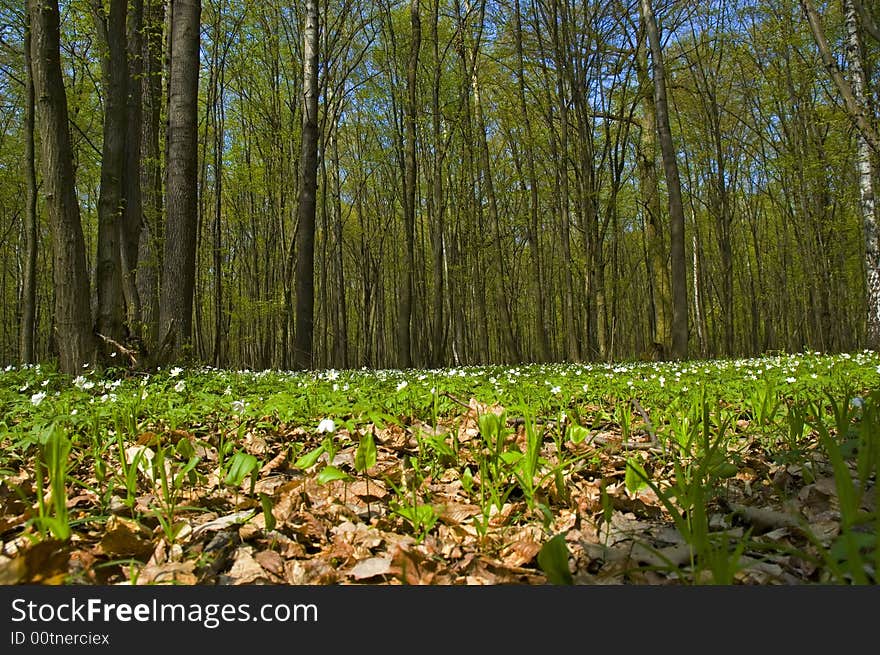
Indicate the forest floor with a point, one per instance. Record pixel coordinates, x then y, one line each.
755 472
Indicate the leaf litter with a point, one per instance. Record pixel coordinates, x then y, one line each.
409 519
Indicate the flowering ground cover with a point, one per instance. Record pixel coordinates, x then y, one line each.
753 471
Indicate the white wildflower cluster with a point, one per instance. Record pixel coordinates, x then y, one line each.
82 383
326 426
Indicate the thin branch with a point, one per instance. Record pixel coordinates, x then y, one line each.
856 111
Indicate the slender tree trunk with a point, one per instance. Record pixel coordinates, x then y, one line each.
537 277
510 350
150 237
133 217
219 120
404 325
572 344
656 259
307 203
438 350
73 323
181 185
678 265
867 176
114 73
28 327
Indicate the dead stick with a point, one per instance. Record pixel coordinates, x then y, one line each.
120 348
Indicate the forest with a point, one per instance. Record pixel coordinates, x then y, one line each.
435 183
447 292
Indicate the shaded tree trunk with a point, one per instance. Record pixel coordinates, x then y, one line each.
150 238
678 266
404 325
28 327
181 182
307 205
656 259
73 324
537 277
110 25
133 215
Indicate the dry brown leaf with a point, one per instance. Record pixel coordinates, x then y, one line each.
222 522
370 568
245 569
368 490
456 513
12 570
125 538
412 567
168 573
272 561
275 462
521 552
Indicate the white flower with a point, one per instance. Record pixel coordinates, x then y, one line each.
180 386
555 390
326 425
174 372
37 398
791 380
82 383
402 385
227 391
238 406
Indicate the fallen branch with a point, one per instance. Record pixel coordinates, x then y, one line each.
122 350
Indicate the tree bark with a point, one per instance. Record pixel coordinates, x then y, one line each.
181 182
307 203
73 324
114 72
133 215
867 176
28 327
646 163
150 240
404 325
678 266
536 278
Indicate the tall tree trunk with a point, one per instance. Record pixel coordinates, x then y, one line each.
150 237
181 182
114 73
537 277
438 350
646 162
510 348
133 217
572 343
28 327
73 322
404 325
678 265
307 203
867 176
